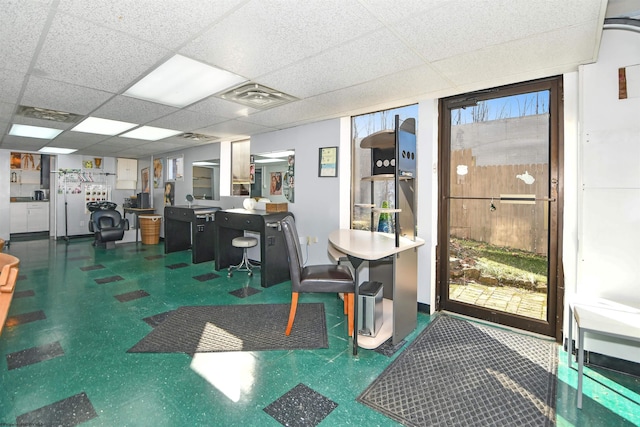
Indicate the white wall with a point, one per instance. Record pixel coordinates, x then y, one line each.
5 207
609 184
317 200
427 195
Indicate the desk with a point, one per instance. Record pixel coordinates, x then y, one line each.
396 268
137 212
232 223
190 227
606 318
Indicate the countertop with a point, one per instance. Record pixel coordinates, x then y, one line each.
27 200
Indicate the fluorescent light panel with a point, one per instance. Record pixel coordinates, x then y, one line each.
181 81
57 150
103 126
150 133
204 164
278 154
270 160
34 131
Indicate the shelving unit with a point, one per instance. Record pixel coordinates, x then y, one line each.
393 162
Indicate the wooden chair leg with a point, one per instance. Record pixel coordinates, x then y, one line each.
346 304
350 314
292 312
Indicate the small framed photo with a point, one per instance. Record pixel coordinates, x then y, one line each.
328 162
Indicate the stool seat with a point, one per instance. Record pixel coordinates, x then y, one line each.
244 242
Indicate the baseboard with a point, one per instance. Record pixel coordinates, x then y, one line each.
424 308
607 362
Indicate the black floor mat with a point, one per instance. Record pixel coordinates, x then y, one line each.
200 329
461 373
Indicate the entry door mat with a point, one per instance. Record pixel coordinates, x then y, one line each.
461 373
249 327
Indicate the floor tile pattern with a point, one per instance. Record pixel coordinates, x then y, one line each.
71 411
95 331
130 296
301 407
33 355
21 319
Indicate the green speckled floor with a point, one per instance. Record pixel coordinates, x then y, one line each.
83 332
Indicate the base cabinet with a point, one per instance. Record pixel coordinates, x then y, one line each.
29 217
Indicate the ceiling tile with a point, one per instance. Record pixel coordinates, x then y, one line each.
85 54
127 109
186 121
496 22
219 107
56 95
304 110
527 58
10 85
264 36
162 25
346 65
21 23
234 127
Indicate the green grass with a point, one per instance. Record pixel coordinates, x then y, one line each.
501 262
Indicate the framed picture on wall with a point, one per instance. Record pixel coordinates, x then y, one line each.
157 172
144 175
328 162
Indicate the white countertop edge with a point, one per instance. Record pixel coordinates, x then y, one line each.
370 245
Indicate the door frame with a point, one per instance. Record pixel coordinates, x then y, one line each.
555 297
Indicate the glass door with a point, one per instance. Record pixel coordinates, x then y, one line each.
498 245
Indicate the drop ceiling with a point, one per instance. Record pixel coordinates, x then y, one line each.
332 57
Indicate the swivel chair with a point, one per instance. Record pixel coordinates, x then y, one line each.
315 278
108 227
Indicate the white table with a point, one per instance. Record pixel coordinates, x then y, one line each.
604 317
401 312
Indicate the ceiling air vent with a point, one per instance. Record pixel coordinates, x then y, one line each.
46 114
257 96
198 137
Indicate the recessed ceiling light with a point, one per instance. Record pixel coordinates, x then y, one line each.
150 133
204 164
103 126
57 150
181 81
278 154
34 131
269 160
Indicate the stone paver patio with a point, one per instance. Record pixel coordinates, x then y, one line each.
502 298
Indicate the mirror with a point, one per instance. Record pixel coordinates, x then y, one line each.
272 176
206 179
189 199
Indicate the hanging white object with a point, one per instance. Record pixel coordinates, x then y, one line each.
526 178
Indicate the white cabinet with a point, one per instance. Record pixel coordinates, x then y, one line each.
29 217
126 174
37 216
18 218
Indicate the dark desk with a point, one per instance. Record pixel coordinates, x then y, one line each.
232 223
190 227
137 212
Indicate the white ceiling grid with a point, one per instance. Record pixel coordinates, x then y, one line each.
338 57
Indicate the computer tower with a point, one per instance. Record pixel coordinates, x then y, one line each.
143 201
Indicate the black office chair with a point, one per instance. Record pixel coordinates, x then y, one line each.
315 278
107 225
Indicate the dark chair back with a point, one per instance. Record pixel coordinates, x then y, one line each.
293 251
106 219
